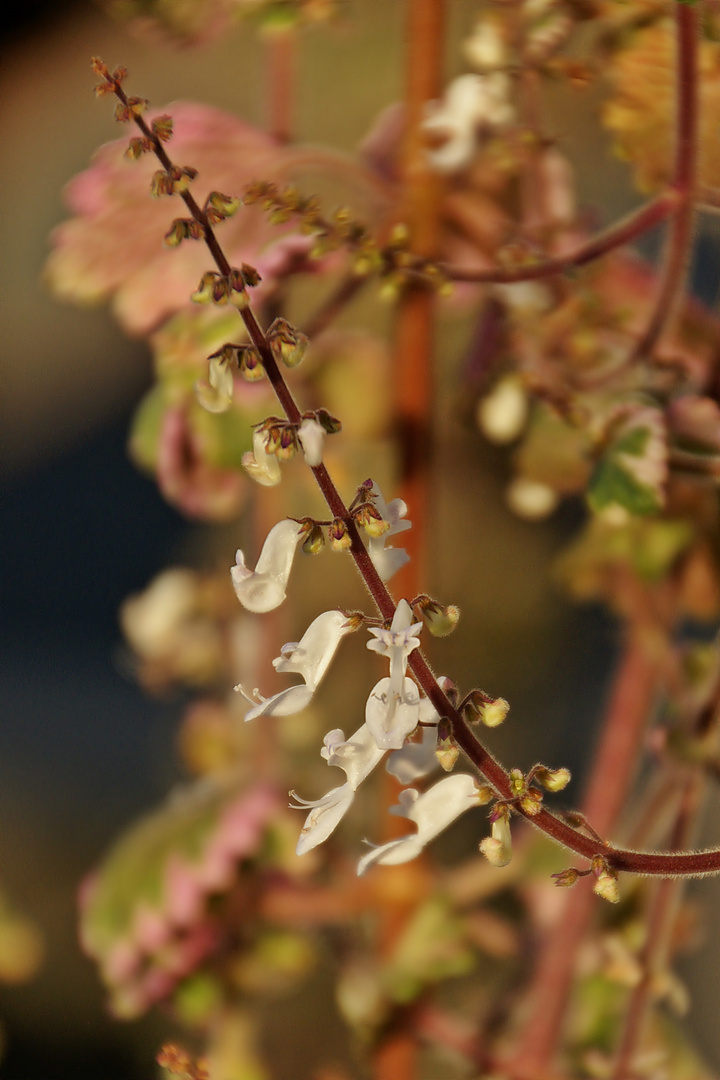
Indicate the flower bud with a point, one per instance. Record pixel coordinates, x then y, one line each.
205 292
440 620
251 367
552 779
287 445
606 886
219 206
606 883
497 848
330 423
137 147
446 753
162 127
314 539
565 879
340 539
492 713
371 520
530 802
286 343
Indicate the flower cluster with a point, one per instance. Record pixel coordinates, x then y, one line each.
396 708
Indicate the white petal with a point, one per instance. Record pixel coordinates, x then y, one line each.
415 758
391 717
324 818
432 812
392 853
312 438
285 703
263 589
263 467
358 756
387 560
313 654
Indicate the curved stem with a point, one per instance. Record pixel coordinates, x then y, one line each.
663 864
678 242
629 228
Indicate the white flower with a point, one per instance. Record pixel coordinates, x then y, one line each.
310 657
497 848
432 812
393 707
312 436
470 102
263 588
358 756
261 466
398 642
388 560
216 394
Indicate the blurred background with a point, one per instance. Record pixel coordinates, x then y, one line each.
82 750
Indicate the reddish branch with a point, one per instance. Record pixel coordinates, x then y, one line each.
663 864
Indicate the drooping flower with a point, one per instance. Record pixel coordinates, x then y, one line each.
309 657
358 756
388 560
216 394
393 707
263 588
432 812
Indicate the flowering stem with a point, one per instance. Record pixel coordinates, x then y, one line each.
626 230
663 864
684 178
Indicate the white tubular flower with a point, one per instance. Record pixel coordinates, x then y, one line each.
432 812
358 756
312 437
216 394
497 848
309 657
393 707
263 589
387 560
264 468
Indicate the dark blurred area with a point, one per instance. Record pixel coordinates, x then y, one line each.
82 750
